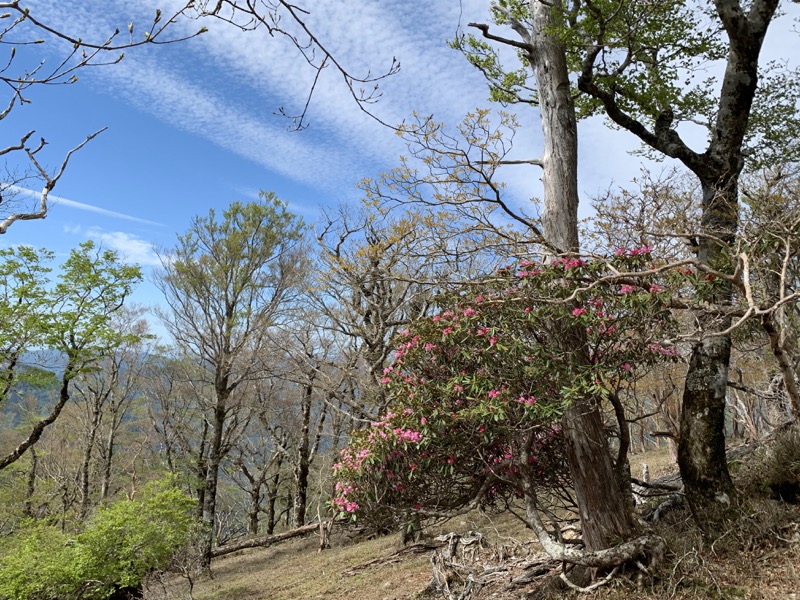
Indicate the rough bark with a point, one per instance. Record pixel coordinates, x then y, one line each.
94 425
272 496
201 471
605 518
28 507
253 510
108 459
302 464
215 456
560 130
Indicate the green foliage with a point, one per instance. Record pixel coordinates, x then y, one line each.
118 548
123 542
92 287
227 275
36 565
653 58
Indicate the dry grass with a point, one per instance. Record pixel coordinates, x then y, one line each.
758 559
658 461
295 570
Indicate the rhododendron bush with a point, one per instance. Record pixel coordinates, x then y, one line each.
477 390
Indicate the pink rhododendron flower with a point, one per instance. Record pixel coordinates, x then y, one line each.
646 249
577 312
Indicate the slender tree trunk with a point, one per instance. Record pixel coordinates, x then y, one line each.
605 516
254 509
301 467
272 496
28 510
87 458
201 471
781 333
212 477
108 458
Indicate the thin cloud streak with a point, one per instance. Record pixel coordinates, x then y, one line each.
61 201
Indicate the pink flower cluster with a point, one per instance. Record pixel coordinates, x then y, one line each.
341 502
664 351
640 251
569 263
350 459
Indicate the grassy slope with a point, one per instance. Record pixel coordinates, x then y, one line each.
759 559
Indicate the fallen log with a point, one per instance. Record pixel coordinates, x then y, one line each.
264 541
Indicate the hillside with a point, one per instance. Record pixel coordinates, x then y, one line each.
762 566
756 559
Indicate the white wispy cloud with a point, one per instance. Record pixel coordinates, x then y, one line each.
56 201
131 248
226 84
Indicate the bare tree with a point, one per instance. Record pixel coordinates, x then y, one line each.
20 27
106 394
225 285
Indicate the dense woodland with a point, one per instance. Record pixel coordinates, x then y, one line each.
433 350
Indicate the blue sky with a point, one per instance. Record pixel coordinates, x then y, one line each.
191 126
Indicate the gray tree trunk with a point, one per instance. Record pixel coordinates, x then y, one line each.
215 456
605 517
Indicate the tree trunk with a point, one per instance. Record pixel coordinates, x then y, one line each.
108 458
254 509
264 541
301 467
87 457
212 478
605 517
28 508
201 471
272 496
701 443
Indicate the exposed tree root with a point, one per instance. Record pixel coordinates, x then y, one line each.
465 565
